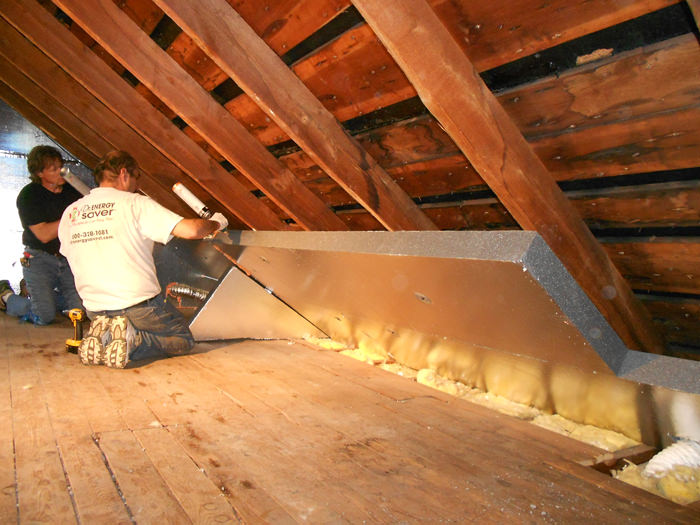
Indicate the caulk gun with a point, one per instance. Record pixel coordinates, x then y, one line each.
198 206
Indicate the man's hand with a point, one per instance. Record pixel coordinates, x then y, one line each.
218 217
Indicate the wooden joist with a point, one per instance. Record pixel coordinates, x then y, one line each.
452 90
125 40
36 24
353 75
694 6
260 72
649 125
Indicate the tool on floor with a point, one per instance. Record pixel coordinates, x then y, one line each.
77 316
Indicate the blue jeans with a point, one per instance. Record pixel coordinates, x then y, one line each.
18 306
159 329
51 286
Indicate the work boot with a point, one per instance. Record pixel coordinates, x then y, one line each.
23 290
5 292
117 351
92 347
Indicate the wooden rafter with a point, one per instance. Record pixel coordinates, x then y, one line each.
247 59
694 6
75 128
162 75
452 90
47 33
100 130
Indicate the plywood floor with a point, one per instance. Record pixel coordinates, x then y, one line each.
276 432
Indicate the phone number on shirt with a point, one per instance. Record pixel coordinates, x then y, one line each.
91 233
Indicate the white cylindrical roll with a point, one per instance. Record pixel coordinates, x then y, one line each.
191 200
74 181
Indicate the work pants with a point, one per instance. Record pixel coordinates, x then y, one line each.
159 330
51 286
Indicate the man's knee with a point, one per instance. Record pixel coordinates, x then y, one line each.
44 317
184 346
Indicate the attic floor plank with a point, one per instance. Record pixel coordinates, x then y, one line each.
275 432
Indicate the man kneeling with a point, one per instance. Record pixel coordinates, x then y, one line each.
107 238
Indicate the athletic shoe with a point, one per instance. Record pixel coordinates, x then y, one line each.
92 347
117 351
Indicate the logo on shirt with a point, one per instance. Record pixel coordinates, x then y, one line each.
91 211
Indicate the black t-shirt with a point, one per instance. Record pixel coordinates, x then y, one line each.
37 204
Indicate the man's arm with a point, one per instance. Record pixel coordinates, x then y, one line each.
45 231
195 228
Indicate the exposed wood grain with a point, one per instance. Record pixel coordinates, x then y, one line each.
258 70
147 495
694 6
326 397
670 265
67 120
48 34
72 419
284 24
354 75
640 83
239 469
647 206
657 143
491 36
340 437
652 205
321 489
41 481
618 459
453 91
95 115
351 76
200 499
145 14
675 514
165 78
41 121
677 318
267 431
8 498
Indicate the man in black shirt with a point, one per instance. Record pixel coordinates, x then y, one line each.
40 205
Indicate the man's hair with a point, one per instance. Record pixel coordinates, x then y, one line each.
112 163
38 158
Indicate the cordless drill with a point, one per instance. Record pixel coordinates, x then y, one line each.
76 315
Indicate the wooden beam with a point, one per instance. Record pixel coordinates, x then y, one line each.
47 33
90 114
452 90
694 6
73 126
45 124
247 59
113 29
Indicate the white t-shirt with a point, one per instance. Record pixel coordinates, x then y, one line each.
107 237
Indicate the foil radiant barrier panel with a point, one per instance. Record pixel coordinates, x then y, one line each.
495 310
240 308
